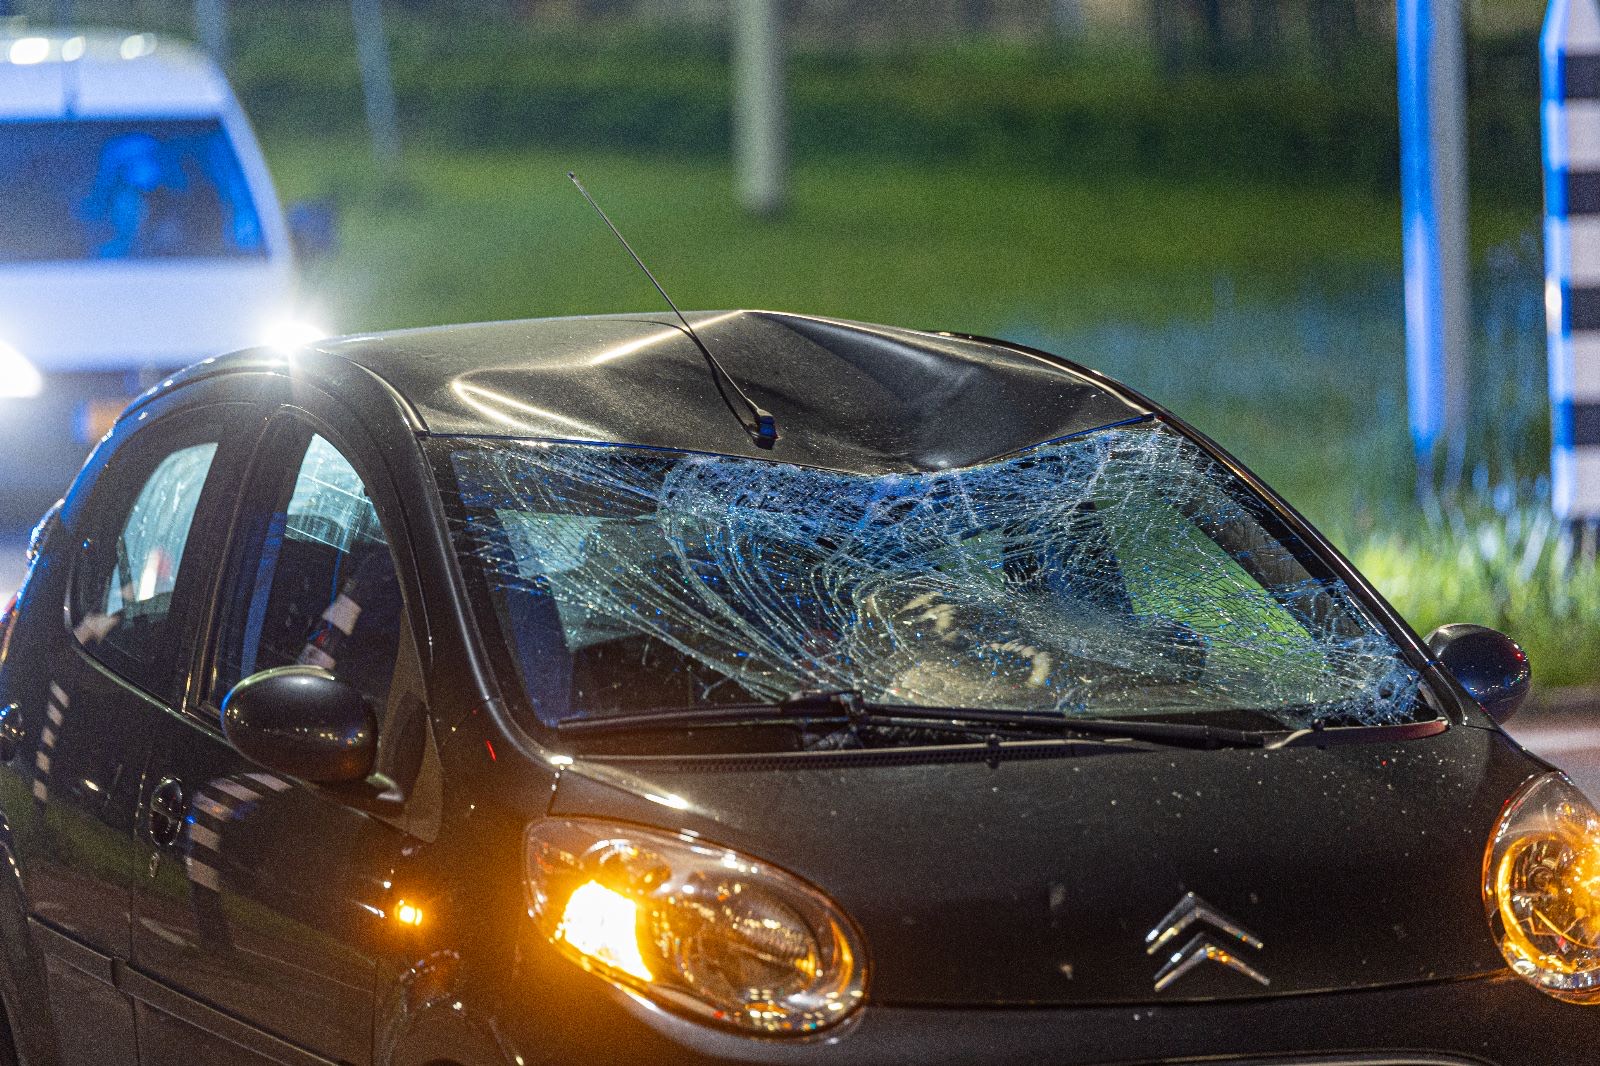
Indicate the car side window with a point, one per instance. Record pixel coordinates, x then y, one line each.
316 585
122 590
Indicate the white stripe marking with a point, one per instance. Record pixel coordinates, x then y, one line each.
60 694
214 807
274 783
1583 362
202 875
311 655
342 614
54 714
236 790
1583 250
163 932
41 791
201 836
1575 483
1582 30
1572 130
42 761
47 737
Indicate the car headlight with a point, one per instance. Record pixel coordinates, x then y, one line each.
1541 886
19 379
697 927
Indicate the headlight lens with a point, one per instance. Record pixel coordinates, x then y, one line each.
698 927
1541 886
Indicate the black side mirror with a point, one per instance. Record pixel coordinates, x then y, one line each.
302 721
1490 666
313 228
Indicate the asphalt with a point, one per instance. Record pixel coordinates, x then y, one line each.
1563 727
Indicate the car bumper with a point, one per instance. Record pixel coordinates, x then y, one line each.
1494 1020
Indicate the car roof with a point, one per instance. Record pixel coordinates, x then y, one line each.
103 73
846 395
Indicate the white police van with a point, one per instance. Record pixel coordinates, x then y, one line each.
139 232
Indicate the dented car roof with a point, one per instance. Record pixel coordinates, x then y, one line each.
846 395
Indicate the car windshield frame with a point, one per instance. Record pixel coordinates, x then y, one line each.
1280 533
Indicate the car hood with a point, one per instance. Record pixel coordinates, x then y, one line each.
101 315
1037 881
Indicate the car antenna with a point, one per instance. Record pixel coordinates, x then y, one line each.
765 432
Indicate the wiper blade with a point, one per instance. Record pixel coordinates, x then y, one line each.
848 707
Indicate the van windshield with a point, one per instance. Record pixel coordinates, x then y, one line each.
127 189
1120 572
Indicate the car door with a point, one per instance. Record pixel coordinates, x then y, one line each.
89 695
270 901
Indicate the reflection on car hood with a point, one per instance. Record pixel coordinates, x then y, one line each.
1038 881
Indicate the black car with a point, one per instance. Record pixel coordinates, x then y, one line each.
550 692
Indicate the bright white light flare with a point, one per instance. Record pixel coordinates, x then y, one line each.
138 45
289 334
29 50
19 379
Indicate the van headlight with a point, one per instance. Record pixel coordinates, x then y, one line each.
19 379
1541 887
697 927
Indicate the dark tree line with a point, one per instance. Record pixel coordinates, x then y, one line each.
1218 34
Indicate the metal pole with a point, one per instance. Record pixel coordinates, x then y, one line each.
1433 195
377 83
1570 52
760 124
211 28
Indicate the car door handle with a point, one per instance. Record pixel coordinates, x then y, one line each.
168 805
11 733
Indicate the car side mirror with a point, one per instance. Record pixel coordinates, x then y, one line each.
304 722
1488 664
313 228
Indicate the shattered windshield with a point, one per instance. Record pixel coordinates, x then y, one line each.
1116 573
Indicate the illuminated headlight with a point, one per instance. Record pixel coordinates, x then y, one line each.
19 379
699 928
1541 886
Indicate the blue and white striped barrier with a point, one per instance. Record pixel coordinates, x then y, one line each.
1570 46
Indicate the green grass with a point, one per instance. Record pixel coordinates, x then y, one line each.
1510 570
465 236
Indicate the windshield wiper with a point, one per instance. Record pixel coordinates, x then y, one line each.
848 707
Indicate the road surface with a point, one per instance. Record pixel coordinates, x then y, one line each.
1565 729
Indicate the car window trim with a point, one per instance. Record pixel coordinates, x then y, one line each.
201 548
293 423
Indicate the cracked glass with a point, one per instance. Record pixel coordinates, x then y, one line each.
1116 573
